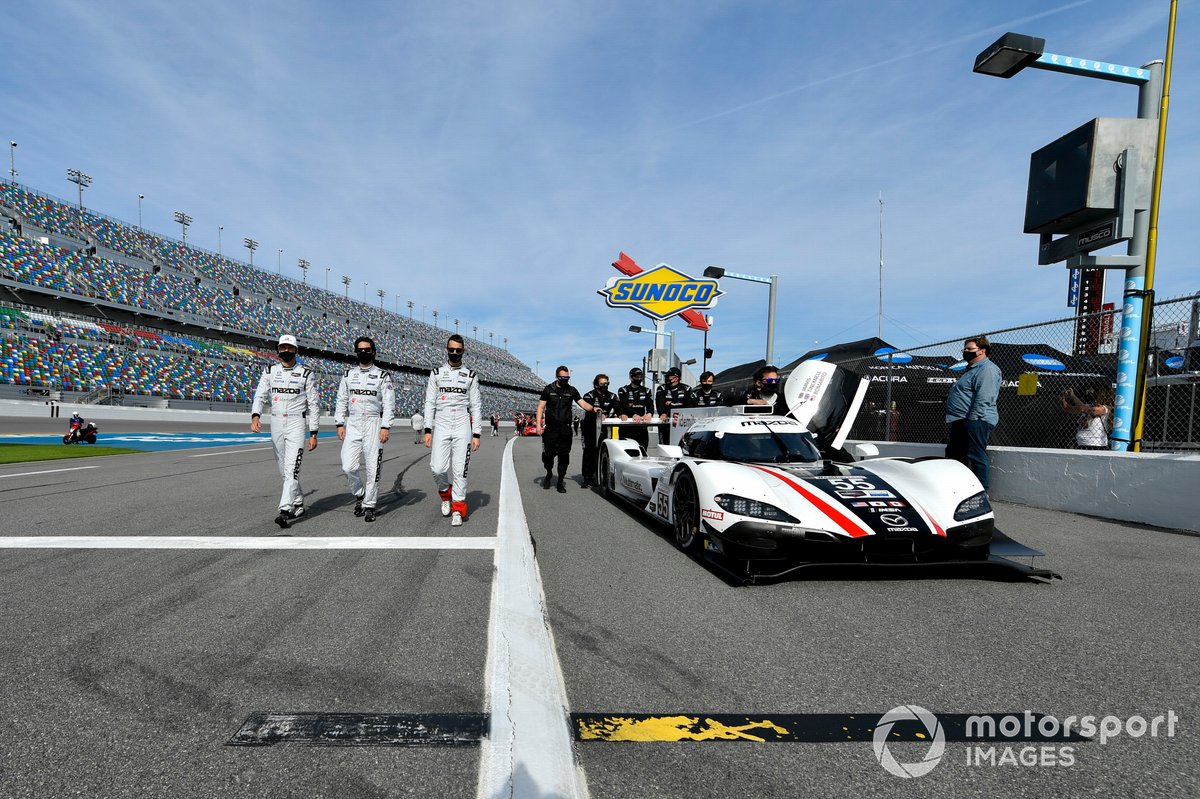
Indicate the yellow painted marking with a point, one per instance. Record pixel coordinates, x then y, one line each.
672 728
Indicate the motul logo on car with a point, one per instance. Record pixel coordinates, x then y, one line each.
708 513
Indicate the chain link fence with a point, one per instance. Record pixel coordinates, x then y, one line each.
1039 363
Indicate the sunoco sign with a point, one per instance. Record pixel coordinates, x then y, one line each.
661 293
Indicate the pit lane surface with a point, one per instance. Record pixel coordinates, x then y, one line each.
127 671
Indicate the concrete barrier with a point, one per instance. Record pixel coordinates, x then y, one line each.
1147 488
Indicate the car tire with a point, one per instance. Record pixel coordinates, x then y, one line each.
685 513
604 476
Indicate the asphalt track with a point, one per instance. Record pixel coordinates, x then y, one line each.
127 672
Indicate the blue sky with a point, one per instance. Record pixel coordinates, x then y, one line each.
490 160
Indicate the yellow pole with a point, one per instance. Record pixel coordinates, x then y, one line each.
1155 194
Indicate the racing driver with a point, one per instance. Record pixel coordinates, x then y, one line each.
366 400
453 425
295 409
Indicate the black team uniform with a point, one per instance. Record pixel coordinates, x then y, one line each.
606 401
635 400
556 438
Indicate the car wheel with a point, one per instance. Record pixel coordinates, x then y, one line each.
605 476
685 515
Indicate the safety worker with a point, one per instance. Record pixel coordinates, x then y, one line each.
554 411
671 395
366 402
453 425
295 410
635 402
604 403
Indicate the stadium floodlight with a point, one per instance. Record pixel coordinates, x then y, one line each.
346 282
506 343
12 160
140 198
279 262
364 292
304 265
455 325
773 281
251 245
327 278
435 316
381 293
475 331
220 230
184 220
410 305
490 339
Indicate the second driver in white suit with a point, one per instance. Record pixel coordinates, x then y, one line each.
366 402
452 428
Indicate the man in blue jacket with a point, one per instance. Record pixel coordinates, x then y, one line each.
971 409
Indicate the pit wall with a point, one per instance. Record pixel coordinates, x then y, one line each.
1147 488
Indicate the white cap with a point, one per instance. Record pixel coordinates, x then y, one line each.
286 339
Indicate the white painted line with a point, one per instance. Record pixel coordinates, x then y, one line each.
49 471
528 752
229 452
234 542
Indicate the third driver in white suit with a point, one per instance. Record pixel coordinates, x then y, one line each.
452 428
366 402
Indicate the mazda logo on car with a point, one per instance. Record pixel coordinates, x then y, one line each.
892 520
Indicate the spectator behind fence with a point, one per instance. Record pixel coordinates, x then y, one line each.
1094 414
971 409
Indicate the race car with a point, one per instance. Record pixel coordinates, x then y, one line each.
752 486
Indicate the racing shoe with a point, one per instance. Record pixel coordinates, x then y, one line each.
445 507
456 519
296 512
370 512
358 508
282 518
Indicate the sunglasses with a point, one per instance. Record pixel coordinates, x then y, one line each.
455 350
770 380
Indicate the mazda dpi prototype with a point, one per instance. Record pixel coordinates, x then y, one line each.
751 486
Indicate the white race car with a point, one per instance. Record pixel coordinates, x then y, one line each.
753 486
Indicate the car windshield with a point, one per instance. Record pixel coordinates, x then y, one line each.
767 446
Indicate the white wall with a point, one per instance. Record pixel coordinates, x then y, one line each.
1148 488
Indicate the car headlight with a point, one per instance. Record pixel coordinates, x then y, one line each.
752 507
971 507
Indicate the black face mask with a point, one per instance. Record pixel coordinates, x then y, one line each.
455 358
602 387
636 381
706 388
365 356
564 381
287 356
768 389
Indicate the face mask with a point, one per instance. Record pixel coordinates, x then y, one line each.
706 387
365 356
768 390
637 381
969 356
603 386
287 356
562 381
455 358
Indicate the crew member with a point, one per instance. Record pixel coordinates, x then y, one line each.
453 423
604 403
671 395
971 409
704 395
767 389
366 400
295 410
634 402
554 410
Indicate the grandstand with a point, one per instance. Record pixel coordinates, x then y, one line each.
96 310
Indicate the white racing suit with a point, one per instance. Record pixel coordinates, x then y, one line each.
295 413
366 402
453 416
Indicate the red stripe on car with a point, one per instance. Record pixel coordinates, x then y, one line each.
851 525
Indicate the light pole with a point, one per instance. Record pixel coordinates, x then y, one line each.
410 305
346 283
380 292
475 332
435 316
364 292
656 332
251 245
82 181
1007 56
709 321
490 342
140 198
184 220
304 265
12 160
279 262
455 325
220 244
327 279
773 281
